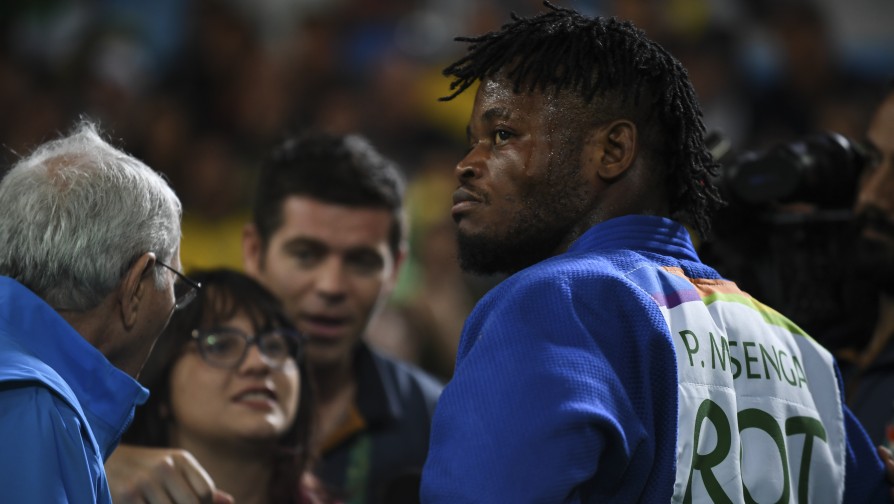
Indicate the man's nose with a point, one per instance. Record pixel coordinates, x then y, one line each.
330 281
470 165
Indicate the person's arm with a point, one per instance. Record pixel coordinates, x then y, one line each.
888 460
160 475
865 470
553 400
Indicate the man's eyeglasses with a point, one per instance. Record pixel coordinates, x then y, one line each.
185 290
227 347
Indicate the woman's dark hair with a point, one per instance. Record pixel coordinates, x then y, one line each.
616 72
224 294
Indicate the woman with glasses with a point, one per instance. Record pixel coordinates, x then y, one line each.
229 385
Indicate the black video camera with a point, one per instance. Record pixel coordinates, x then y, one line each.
821 169
796 258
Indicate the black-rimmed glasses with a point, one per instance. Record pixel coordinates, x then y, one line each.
185 290
227 347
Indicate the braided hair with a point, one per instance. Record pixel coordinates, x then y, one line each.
617 72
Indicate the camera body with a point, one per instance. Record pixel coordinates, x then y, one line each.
787 235
822 169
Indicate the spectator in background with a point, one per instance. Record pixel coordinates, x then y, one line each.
811 90
230 385
328 238
89 267
711 59
216 205
594 373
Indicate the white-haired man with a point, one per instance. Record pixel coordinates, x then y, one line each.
88 280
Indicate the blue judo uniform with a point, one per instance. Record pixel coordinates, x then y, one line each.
625 370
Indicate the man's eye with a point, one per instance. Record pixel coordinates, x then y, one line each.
501 136
366 263
305 256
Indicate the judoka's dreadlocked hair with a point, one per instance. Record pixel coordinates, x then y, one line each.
613 62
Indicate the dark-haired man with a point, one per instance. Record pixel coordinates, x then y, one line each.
612 365
327 238
872 368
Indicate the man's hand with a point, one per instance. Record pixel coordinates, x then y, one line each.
888 459
160 476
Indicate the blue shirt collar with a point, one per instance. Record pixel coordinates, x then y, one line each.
645 233
106 394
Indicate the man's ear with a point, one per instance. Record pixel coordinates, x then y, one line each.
611 149
133 288
252 250
399 258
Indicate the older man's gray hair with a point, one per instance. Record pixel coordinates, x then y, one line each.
76 213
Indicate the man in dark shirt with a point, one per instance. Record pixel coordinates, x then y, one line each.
870 370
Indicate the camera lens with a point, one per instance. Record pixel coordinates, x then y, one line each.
822 169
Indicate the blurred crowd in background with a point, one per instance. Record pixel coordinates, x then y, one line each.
200 89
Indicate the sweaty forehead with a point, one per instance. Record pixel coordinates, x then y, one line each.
496 89
496 99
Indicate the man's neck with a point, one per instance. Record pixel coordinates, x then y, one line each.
331 381
100 327
336 393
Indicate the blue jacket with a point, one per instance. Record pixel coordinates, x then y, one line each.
625 370
63 405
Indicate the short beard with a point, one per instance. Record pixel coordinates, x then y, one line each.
518 249
547 222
